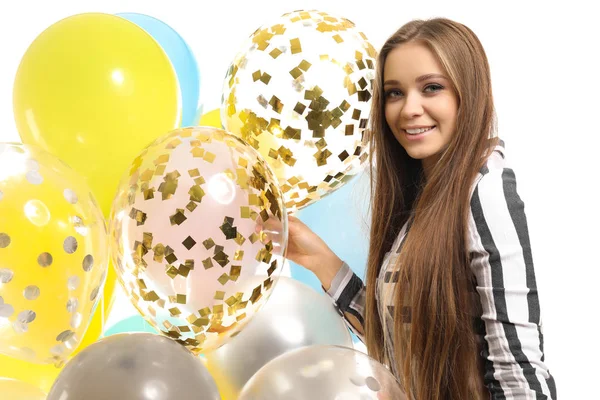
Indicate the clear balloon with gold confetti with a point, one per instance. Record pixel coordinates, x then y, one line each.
53 255
189 235
299 92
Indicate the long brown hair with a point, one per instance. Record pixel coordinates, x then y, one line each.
436 356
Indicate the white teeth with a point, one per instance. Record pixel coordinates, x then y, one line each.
417 131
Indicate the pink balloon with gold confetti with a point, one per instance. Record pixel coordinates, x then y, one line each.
187 235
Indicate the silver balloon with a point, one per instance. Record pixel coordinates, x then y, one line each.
295 316
324 373
134 366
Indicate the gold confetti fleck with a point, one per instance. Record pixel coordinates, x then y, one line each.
171 271
235 272
300 108
265 78
181 298
149 194
221 258
239 239
256 294
272 268
207 263
150 296
321 157
208 243
191 206
170 255
295 46
275 53
209 157
296 72
196 193
197 152
253 238
239 255
219 295
349 130
268 283
160 170
223 279
231 301
189 243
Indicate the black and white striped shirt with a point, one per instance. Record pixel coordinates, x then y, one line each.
510 323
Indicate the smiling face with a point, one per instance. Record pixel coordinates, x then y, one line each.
421 105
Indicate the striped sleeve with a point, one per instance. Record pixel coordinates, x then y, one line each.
348 292
502 262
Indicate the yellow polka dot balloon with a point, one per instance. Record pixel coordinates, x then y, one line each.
53 255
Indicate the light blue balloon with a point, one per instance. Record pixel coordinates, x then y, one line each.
342 220
182 58
135 323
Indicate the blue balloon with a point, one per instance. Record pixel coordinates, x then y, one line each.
135 323
182 58
341 219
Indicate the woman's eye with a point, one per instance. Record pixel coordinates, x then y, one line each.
393 93
434 87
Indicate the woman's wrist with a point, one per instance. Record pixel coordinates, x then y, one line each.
326 268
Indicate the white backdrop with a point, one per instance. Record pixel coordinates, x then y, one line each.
545 69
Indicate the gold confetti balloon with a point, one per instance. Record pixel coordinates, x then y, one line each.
53 255
199 230
299 92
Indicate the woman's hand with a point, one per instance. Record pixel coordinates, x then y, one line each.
307 249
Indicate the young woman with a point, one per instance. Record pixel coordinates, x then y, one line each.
450 302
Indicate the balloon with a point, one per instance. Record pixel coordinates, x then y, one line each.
299 91
38 375
211 118
190 240
131 324
17 390
134 366
94 89
295 316
181 57
53 255
323 372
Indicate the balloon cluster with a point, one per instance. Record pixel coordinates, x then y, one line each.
117 158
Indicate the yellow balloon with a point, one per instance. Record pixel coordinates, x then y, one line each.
211 118
41 376
17 390
94 89
227 390
53 256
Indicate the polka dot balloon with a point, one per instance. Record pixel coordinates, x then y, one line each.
53 255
